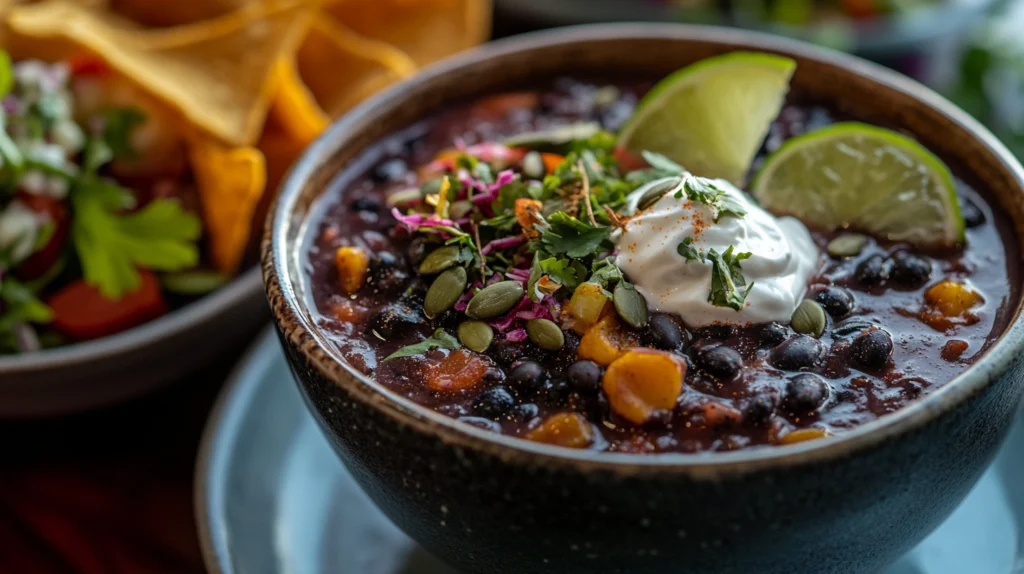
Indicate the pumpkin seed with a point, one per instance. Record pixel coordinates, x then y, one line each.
444 292
440 259
847 245
545 334
655 190
809 318
403 197
851 328
533 166
495 300
554 137
630 305
476 335
458 209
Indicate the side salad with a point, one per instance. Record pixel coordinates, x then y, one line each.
95 202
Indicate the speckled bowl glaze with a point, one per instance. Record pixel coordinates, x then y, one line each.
495 504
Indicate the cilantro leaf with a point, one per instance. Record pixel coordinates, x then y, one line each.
508 194
439 340
727 278
566 272
729 206
572 237
112 245
21 305
118 125
536 271
689 252
662 163
605 273
708 192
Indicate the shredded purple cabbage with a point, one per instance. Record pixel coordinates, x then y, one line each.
504 243
516 336
417 220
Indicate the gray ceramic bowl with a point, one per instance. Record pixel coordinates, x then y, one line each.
490 503
116 368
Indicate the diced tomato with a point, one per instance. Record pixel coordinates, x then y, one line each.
860 9
87 65
41 261
627 160
81 312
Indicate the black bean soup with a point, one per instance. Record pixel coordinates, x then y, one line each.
745 385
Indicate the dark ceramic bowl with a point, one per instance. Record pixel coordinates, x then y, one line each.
495 504
129 364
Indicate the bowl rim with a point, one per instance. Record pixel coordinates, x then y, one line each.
108 348
300 331
882 35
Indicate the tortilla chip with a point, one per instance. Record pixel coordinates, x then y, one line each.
426 30
159 13
215 73
307 98
231 181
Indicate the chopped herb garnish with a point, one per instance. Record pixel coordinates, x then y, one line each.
118 126
572 237
112 245
566 272
708 192
606 273
439 340
662 163
691 253
727 278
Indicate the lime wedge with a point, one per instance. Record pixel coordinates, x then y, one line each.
865 177
711 116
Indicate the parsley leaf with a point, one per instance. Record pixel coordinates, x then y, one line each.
691 253
727 278
111 244
572 237
439 340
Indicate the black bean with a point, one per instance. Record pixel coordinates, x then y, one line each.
397 318
805 393
873 271
759 410
800 352
556 393
770 335
389 170
494 403
585 376
417 250
973 215
387 272
720 361
663 333
716 331
366 203
508 353
910 270
527 376
836 301
526 411
872 350
493 376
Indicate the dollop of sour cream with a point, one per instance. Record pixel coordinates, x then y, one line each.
783 258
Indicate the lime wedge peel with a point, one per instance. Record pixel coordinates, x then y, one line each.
864 177
712 116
